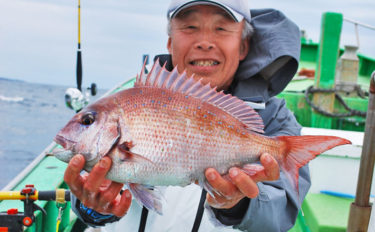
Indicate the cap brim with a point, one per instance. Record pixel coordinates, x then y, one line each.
237 17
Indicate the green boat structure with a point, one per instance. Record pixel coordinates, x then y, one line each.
329 96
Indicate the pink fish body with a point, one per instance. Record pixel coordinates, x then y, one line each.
169 129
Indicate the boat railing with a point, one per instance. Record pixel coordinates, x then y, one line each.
356 24
15 181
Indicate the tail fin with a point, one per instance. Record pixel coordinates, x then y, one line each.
299 150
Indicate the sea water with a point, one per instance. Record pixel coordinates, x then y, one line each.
30 116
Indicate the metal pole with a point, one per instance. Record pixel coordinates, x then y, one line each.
356 34
360 209
360 24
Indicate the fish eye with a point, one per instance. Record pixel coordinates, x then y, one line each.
88 119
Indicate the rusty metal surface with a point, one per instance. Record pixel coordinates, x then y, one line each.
368 154
372 83
360 210
359 218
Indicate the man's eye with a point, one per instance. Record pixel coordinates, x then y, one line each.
220 29
191 27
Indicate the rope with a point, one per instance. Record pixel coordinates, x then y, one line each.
57 225
351 112
61 205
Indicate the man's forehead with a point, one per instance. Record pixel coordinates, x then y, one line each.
215 10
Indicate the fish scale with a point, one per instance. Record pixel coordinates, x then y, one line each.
216 139
157 118
170 128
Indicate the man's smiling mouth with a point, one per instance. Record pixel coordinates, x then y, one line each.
204 63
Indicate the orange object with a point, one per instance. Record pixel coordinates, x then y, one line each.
3 229
27 221
27 190
307 72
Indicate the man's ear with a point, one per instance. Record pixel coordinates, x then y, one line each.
169 45
244 49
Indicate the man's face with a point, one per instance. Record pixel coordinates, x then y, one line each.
206 41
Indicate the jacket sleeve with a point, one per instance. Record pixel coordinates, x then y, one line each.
277 205
89 216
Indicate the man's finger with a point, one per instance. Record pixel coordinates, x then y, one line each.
72 175
217 202
121 207
97 175
223 186
252 169
271 167
110 194
74 168
255 171
105 184
243 182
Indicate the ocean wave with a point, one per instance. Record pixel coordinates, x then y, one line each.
11 99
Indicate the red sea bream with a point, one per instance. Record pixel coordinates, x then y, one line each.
169 129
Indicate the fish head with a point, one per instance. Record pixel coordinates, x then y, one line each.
92 132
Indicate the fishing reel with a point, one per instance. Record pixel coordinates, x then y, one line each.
76 99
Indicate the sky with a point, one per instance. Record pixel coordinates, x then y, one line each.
38 39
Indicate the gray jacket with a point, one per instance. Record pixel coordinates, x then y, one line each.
270 65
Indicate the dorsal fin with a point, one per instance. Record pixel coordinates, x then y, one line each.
159 77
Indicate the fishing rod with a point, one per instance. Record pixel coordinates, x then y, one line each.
13 221
77 98
79 56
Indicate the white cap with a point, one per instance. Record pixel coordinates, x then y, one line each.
238 9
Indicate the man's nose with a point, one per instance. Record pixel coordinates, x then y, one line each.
205 41
204 45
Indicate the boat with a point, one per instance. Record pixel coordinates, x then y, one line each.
334 102
334 173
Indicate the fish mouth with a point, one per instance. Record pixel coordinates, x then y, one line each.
62 154
64 142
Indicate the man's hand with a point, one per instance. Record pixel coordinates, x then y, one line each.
94 190
238 184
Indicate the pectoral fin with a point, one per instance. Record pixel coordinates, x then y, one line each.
128 156
151 198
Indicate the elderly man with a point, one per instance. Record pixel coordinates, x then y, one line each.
215 41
